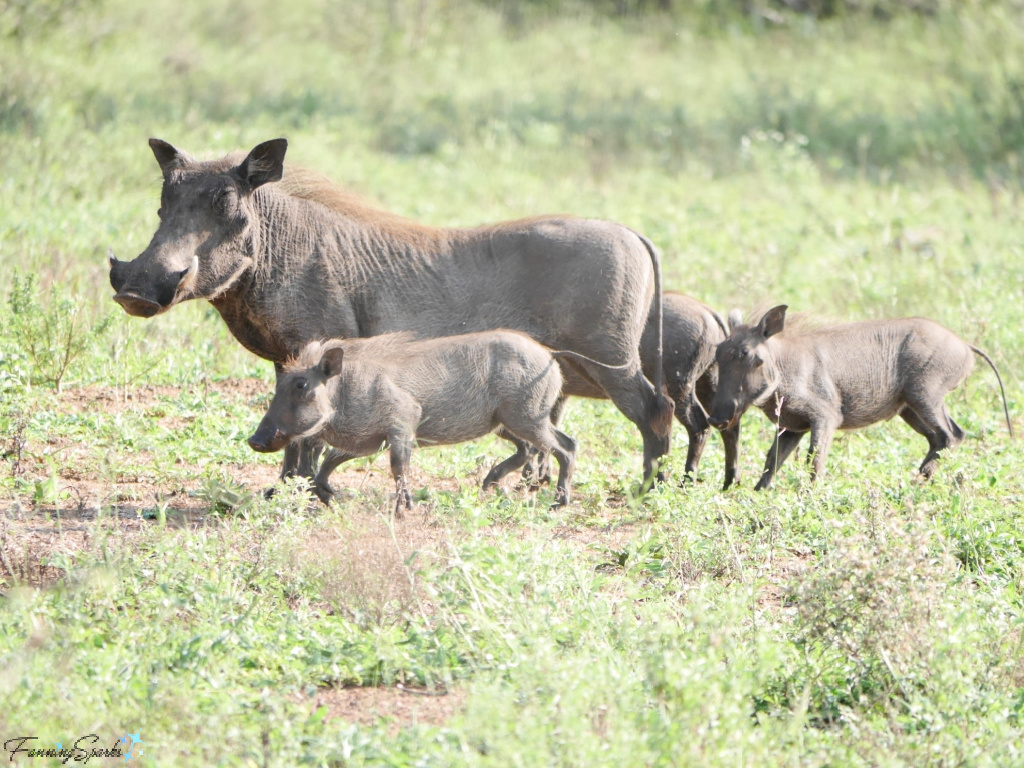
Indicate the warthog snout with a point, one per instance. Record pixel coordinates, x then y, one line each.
268 438
725 411
155 296
136 305
719 422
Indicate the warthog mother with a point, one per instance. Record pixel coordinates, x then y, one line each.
288 257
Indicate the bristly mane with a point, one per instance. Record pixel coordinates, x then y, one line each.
310 355
354 241
304 184
374 346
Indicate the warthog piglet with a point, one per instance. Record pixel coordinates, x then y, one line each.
359 395
692 333
842 377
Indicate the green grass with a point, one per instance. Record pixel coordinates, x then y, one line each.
852 168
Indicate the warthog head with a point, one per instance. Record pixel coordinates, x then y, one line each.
747 374
203 243
301 405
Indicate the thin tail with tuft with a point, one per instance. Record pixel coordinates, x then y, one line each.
721 323
662 408
987 359
584 360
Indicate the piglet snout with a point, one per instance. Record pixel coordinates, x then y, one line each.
267 438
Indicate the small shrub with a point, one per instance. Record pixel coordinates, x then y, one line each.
358 574
224 495
874 610
51 336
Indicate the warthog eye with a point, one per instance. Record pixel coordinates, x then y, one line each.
223 201
301 384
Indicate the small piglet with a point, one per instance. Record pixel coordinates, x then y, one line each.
692 332
361 394
842 377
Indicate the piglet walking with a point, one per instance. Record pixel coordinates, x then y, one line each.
842 377
361 394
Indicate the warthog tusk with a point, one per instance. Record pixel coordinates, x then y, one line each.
111 258
188 277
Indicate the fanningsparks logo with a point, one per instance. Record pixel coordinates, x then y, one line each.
130 747
129 742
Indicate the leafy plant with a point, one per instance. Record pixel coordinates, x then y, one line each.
52 334
224 494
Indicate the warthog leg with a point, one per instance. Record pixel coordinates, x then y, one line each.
691 415
783 445
512 463
309 456
321 487
821 441
635 397
542 434
705 392
401 454
731 443
300 458
537 471
565 454
941 434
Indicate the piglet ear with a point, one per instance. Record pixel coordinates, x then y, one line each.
735 320
264 164
330 363
773 322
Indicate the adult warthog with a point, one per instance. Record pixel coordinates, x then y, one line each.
288 257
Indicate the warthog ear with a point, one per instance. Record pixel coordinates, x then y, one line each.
330 363
170 157
264 164
773 322
735 320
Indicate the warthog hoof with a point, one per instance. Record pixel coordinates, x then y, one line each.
403 501
561 498
324 492
537 471
688 478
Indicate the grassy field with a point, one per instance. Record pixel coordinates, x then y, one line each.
854 168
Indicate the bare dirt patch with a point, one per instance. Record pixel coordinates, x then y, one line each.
133 489
115 399
401 706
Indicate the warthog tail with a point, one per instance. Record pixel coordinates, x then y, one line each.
662 409
721 323
587 361
987 359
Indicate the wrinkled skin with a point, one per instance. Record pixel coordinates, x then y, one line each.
287 258
845 376
204 218
391 390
